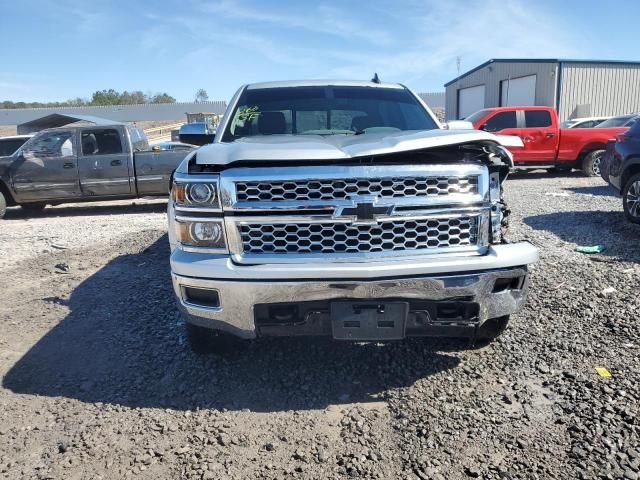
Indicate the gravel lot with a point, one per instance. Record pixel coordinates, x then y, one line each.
98 382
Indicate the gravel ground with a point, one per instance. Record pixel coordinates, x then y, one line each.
97 381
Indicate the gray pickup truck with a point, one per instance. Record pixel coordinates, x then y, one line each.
75 164
344 209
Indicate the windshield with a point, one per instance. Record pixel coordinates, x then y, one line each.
615 122
474 117
326 111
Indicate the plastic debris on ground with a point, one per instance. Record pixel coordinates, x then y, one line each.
590 249
603 372
557 194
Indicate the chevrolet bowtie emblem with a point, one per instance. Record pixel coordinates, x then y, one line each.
364 212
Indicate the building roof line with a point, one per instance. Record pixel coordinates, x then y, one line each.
539 60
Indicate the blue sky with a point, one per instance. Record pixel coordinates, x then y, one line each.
55 50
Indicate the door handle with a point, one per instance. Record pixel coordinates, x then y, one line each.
551 135
69 165
116 162
528 139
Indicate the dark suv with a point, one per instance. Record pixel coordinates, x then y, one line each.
621 168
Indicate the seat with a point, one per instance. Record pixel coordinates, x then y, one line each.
89 146
272 123
110 144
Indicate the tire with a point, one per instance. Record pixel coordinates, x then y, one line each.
604 168
631 199
205 341
3 205
33 207
591 163
492 328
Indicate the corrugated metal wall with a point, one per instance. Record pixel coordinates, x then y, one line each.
590 89
492 74
119 113
433 99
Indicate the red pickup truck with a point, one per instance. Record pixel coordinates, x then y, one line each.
546 145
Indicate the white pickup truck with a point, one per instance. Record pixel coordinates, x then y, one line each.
344 209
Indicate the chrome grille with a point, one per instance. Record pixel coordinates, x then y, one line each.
332 189
335 238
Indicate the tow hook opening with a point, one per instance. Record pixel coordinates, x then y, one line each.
284 314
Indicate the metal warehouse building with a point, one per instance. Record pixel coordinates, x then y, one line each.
576 88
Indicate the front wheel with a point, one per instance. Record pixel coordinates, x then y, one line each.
3 205
631 199
591 163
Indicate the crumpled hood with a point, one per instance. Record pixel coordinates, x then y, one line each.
338 147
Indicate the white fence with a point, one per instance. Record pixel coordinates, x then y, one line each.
118 113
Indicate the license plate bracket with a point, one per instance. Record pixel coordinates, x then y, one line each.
368 320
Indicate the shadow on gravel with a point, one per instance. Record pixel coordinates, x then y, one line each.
85 210
122 343
599 191
610 229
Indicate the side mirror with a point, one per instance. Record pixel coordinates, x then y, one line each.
458 125
484 127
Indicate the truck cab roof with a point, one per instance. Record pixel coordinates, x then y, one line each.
322 83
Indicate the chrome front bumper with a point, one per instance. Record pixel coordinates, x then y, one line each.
241 288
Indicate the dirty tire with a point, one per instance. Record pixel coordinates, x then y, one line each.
591 163
3 205
33 207
604 168
631 199
493 328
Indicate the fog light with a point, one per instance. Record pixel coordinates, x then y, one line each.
206 232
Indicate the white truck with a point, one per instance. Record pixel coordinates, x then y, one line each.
343 208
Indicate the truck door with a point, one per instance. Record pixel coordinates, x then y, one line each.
46 169
104 163
539 135
504 123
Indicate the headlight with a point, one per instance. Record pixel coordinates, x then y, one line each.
201 193
200 233
196 194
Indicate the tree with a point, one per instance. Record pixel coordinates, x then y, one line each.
133 98
162 98
201 95
105 97
99 98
